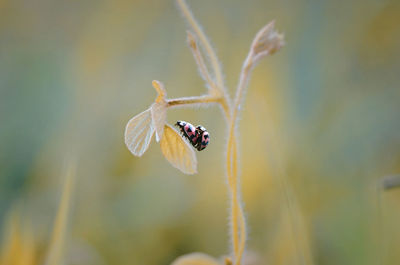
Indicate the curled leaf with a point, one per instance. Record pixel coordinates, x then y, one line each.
267 41
159 117
162 93
138 133
177 151
195 259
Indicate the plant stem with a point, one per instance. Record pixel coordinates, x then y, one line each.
238 225
244 79
212 87
193 101
204 41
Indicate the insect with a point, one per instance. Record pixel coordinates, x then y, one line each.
197 136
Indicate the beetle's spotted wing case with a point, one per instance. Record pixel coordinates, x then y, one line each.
188 131
197 136
204 138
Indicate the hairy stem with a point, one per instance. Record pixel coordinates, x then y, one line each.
238 225
193 101
204 41
243 81
212 87
233 193
237 216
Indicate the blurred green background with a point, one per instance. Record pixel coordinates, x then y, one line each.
320 128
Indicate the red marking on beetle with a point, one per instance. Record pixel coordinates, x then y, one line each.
197 136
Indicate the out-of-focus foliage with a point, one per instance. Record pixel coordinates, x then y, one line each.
319 129
18 246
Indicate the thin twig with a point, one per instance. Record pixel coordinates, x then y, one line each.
200 63
193 101
204 41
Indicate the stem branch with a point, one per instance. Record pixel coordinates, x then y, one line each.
204 41
193 101
238 226
212 87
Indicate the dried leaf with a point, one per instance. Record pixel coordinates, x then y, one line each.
195 259
138 133
267 41
159 117
177 151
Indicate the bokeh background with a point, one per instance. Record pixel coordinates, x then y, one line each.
319 130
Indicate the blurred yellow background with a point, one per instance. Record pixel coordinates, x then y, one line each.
319 130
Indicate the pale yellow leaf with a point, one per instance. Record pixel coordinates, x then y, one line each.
160 91
177 151
159 117
195 259
138 133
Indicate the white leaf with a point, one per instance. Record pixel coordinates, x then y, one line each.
177 151
138 133
159 117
